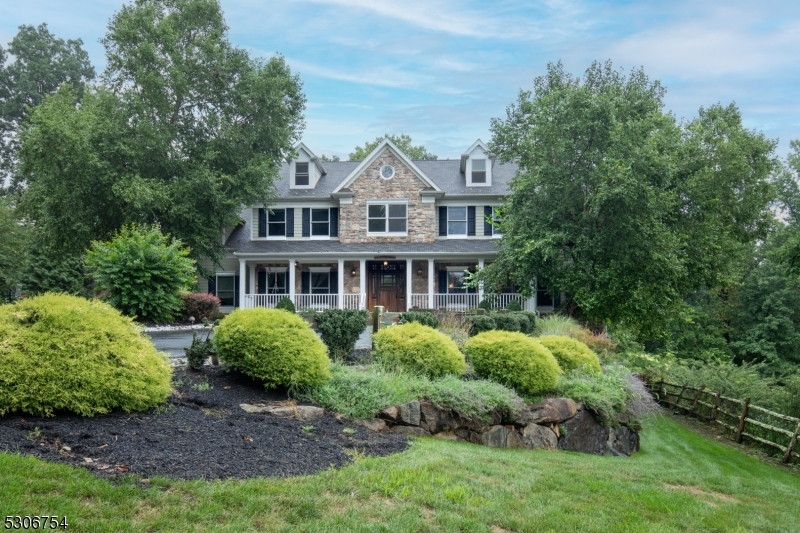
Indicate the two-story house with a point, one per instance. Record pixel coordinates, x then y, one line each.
384 231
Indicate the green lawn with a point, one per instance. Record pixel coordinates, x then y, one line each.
679 482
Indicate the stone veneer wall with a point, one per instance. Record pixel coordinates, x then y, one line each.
371 186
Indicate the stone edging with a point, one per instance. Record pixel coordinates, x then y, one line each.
152 329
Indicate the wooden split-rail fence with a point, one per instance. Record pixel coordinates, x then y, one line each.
742 418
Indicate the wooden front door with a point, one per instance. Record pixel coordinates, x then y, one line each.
387 285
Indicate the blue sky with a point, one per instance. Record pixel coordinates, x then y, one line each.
439 71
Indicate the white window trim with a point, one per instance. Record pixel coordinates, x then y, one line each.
466 222
319 270
226 275
271 270
387 233
487 166
494 219
456 268
285 222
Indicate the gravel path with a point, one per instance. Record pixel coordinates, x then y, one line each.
197 434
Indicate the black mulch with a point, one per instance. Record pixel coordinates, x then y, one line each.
197 434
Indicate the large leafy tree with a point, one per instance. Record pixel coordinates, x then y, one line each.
187 129
11 249
41 63
403 142
617 203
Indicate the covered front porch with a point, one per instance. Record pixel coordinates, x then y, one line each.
398 284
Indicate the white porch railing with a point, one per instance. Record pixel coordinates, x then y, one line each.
462 302
316 302
354 301
262 300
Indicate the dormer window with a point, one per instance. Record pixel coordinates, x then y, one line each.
301 176
478 171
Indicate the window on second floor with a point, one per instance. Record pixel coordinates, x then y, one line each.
457 221
320 222
387 218
301 175
276 223
479 171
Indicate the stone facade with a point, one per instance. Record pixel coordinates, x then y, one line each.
371 186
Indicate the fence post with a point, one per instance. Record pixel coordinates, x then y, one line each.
377 311
715 412
697 399
792 444
660 390
740 429
679 398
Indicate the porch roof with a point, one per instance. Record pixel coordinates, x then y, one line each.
478 247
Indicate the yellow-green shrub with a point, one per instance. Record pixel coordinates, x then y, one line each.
513 359
571 353
64 353
418 349
274 346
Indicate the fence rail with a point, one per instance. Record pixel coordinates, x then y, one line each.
746 421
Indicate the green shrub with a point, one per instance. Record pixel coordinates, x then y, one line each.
418 349
142 275
340 329
286 304
514 306
485 304
571 354
525 325
421 317
532 318
609 393
199 350
61 352
506 321
362 391
272 345
513 359
480 323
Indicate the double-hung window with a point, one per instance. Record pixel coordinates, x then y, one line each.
387 218
276 223
320 222
457 221
226 289
276 282
479 171
301 176
455 281
320 283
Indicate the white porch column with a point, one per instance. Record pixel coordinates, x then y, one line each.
430 284
480 285
409 283
340 273
362 282
252 289
291 280
242 281
532 301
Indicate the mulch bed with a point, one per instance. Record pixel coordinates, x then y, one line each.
197 434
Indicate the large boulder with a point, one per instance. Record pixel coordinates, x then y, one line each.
549 411
501 437
535 436
584 434
408 414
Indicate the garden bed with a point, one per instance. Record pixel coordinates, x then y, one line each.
201 432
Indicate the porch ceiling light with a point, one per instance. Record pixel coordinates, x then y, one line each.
353 272
419 272
386 263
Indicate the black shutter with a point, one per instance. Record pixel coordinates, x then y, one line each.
443 221
262 222
290 221
306 222
471 220
443 282
212 285
334 282
487 220
236 291
334 227
305 287
262 283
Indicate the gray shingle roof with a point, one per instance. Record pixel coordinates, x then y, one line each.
445 173
239 241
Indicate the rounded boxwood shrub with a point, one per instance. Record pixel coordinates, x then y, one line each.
523 321
418 349
340 330
272 345
422 317
506 321
286 304
63 353
570 353
514 306
513 359
480 323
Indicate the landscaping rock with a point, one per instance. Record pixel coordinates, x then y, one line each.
438 420
247 408
447 435
549 411
536 436
409 414
622 441
501 437
374 424
413 431
584 434
390 413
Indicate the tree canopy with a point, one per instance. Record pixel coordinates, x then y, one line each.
42 62
620 205
185 129
403 142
